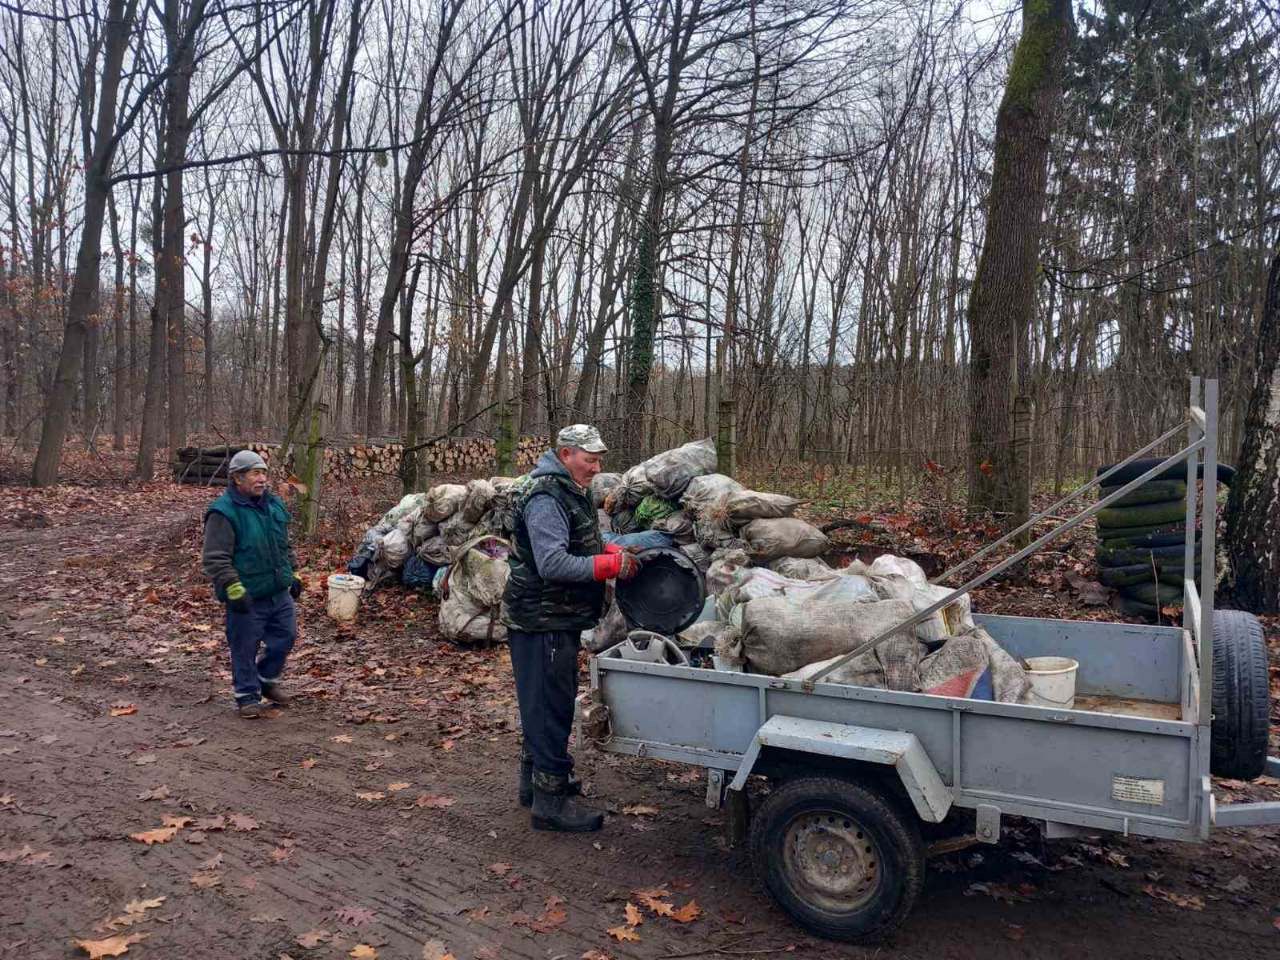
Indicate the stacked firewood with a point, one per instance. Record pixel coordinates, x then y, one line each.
348 461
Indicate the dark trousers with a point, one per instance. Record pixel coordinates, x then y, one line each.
270 623
546 669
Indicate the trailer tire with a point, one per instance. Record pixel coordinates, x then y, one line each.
840 857
1241 697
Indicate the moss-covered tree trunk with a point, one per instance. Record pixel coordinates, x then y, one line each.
1253 509
1002 301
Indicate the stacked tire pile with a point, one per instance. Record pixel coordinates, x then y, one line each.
1142 544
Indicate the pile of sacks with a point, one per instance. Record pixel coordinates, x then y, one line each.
677 493
796 617
453 539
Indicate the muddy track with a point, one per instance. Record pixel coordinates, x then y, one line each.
463 869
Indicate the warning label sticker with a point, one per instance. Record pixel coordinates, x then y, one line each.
1137 790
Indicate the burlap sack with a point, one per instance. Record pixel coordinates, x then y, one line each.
785 537
782 634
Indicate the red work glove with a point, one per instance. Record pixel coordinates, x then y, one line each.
622 565
612 548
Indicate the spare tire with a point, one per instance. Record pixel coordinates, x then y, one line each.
1161 594
1144 530
1145 540
1126 556
1153 491
1241 697
1176 471
1139 573
1166 511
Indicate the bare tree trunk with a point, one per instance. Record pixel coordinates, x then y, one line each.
97 188
1003 298
1253 508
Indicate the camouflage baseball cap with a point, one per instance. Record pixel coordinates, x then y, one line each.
581 435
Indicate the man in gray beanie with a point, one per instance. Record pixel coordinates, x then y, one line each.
248 557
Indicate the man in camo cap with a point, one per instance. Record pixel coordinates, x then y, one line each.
248 557
559 565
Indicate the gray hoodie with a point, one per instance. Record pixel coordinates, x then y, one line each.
549 531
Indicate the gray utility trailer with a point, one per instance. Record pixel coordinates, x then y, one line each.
854 770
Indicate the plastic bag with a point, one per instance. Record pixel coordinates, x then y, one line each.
651 509
631 489
601 485
786 537
679 526
888 565
783 634
410 501
747 505
392 550
417 573
670 473
461 618
443 501
701 558
434 550
704 492
797 568
611 629
457 530
481 570
480 494
423 531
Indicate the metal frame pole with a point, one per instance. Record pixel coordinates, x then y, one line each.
1208 548
920 616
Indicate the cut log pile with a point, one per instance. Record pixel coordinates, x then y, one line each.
207 466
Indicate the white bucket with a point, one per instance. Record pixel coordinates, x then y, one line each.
344 596
1053 682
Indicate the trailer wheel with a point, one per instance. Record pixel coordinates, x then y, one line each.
838 857
1241 697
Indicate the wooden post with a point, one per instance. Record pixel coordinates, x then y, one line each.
1024 415
726 437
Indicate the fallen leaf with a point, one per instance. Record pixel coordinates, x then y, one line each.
500 869
1237 884
397 787
435 950
313 938
142 906
110 947
205 881
634 916
688 913
41 661
596 955
447 745
189 742
1177 899
553 916
123 709
362 951
624 933
354 916
144 759
210 823
158 835
370 795
179 822
242 823
434 801
280 854
195 836
341 738
308 763
640 810
6 800
653 899
213 863
156 793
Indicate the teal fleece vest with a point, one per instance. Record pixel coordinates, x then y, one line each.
262 543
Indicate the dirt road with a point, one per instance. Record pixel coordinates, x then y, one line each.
377 813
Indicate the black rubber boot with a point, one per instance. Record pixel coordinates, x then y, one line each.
526 782
554 809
